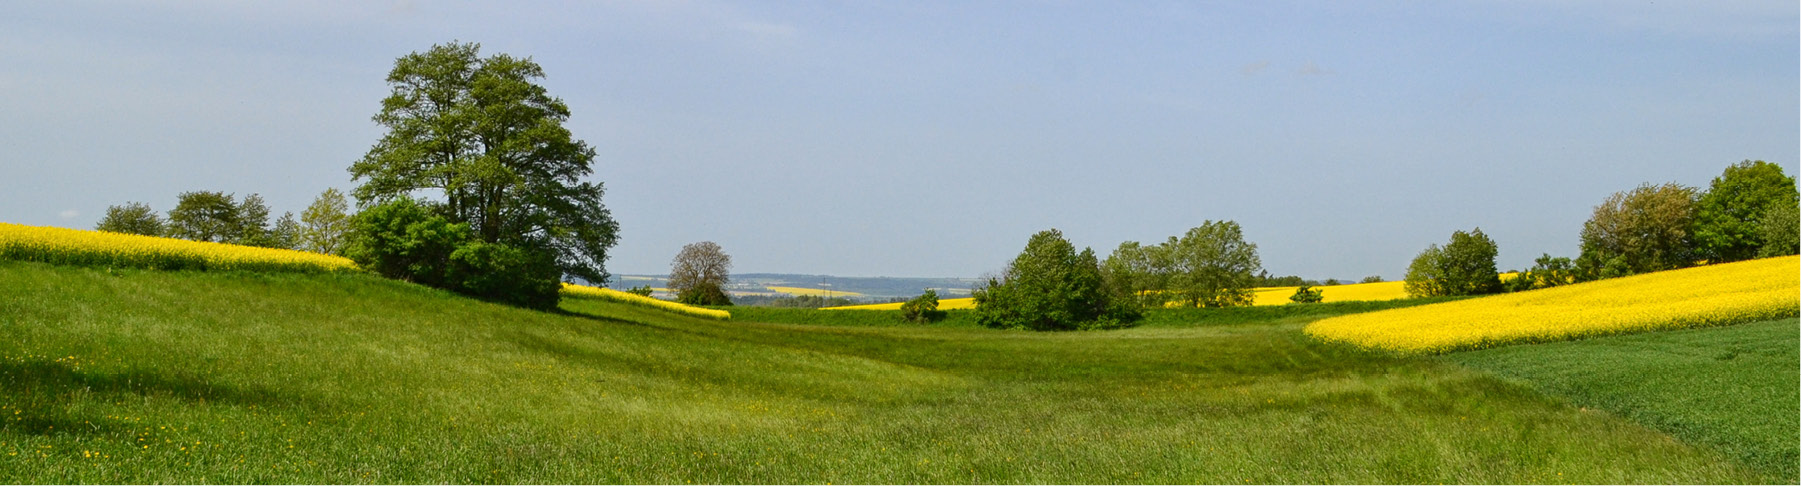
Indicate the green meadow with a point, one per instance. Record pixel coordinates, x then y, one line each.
141 376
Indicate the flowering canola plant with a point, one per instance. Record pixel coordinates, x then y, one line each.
1730 293
63 246
611 295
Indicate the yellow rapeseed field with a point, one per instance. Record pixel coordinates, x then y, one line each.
635 299
1342 293
1713 295
1335 293
808 291
63 246
943 304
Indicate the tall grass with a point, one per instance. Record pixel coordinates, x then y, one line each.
139 377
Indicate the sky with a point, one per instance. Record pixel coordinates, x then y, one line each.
932 139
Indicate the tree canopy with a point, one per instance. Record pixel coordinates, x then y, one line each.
1209 266
1051 286
482 135
1646 229
1729 216
206 216
133 218
1465 266
699 272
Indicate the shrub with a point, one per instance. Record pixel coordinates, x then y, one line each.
1306 294
703 293
505 274
643 290
923 308
403 240
1547 271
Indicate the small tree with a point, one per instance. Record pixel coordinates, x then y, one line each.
923 308
1050 286
1643 230
325 223
285 233
699 274
253 222
1465 266
133 218
1729 216
1371 279
1306 294
205 216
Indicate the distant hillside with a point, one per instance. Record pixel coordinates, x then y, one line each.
873 289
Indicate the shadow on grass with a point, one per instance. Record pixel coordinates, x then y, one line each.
38 393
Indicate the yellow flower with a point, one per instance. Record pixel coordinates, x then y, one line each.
635 299
63 246
1713 295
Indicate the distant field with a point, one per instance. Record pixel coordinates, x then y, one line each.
134 376
1712 295
1335 293
943 304
813 292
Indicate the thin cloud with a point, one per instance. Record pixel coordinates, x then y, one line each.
1312 69
1254 68
68 214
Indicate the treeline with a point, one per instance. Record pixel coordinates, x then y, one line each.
222 218
1748 212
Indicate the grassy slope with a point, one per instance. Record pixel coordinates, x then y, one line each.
1735 388
218 377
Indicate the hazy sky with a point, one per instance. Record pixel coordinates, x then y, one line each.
922 139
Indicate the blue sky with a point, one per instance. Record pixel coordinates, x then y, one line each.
933 138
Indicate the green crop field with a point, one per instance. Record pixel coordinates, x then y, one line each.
147 377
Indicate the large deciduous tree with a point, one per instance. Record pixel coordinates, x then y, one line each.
699 274
482 135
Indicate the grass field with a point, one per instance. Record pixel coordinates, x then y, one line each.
144 376
1736 389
